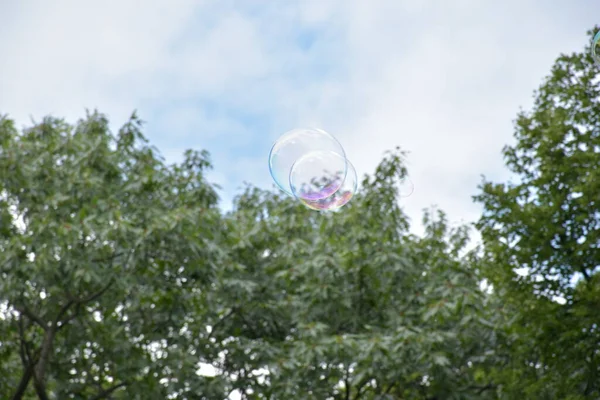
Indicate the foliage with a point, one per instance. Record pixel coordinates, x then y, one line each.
348 305
104 249
547 225
120 276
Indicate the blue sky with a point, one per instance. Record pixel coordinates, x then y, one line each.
444 80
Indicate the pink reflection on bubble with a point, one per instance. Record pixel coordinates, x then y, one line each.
331 203
315 191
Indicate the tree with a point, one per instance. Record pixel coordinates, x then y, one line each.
120 277
348 305
541 237
104 251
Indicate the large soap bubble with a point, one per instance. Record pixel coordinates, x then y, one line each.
295 144
311 165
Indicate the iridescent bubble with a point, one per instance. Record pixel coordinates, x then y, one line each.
596 48
406 187
295 144
319 187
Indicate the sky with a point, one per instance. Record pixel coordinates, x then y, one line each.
443 80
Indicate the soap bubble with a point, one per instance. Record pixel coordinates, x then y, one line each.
596 48
311 165
293 145
406 187
318 185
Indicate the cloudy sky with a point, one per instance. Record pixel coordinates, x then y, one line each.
442 79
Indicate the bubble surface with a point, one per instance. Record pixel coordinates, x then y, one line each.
297 143
596 48
406 187
317 175
321 188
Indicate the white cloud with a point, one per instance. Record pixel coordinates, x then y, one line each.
443 80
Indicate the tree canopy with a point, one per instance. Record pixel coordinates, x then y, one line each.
542 232
121 278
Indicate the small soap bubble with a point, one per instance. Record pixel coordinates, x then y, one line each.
596 48
317 175
295 144
406 187
318 186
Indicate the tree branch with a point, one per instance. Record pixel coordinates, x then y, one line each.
39 373
78 302
23 309
221 321
27 365
62 312
105 393
481 389
70 318
484 388
23 383
109 258
361 386
97 294
390 387
570 253
347 383
23 350
40 387
585 274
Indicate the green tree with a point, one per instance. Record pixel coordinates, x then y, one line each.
349 305
541 236
104 250
120 276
